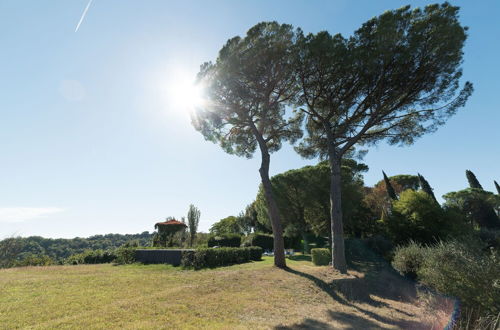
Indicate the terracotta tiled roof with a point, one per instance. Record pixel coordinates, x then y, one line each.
171 222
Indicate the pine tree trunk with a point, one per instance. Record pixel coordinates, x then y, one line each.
338 255
272 207
337 227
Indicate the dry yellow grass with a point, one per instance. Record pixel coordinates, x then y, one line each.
250 296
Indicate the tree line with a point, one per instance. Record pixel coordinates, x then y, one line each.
398 209
58 249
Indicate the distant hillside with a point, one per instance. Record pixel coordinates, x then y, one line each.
61 248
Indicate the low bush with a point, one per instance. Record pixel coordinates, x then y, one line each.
459 269
409 259
35 260
125 255
264 241
210 258
255 253
464 271
321 257
91 257
229 240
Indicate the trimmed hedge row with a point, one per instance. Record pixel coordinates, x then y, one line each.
91 257
229 240
321 257
210 258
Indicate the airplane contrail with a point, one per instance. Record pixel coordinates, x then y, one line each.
83 15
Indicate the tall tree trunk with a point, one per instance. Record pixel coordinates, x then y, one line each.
337 226
272 207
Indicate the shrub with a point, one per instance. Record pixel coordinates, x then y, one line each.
462 270
321 257
210 258
255 253
264 241
125 255
409 259
35 260
416 216
229 240
91 257
10 249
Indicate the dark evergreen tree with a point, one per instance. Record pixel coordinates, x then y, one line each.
473 181
396 78
246 91
390 189
426 187
497 186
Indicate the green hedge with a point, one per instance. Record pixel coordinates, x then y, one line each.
321 257
210 258
125 255
264 241
230 240
91 257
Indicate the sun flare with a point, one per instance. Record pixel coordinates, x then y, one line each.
184 94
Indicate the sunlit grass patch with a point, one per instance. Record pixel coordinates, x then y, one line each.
251 295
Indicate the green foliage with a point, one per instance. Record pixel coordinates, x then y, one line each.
303 200
242 113
390 190
264 241
422 47
473 181
406 181
409 259
34 260
193 217
490 237
125 255
321 257
228 240
92 257
457 268
426 187
59 249
416 216
10 249
228 225
202 239
395 79
477 205
210 258
381 245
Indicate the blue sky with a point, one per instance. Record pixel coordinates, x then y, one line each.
93 139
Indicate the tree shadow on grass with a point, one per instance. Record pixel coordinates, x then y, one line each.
379 280
306 324
348 321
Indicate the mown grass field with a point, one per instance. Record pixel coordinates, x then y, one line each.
248 296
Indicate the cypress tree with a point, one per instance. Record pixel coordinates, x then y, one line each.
426 187
473 181
390 189
497 186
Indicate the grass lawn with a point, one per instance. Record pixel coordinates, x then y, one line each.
254 295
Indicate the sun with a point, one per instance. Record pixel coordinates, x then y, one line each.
183 93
